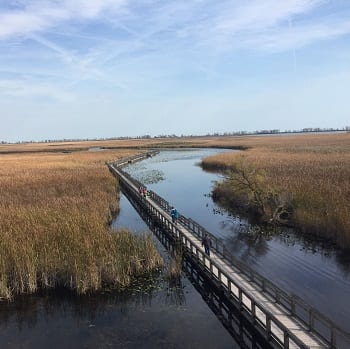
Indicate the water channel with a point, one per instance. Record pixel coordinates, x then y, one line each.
158 314
320 275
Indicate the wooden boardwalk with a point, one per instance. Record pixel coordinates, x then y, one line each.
286 321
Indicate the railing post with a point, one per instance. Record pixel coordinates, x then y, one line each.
240 298
223 251
253 311
333 337
292 305
286 340
311 318
229 286
277 296
268 327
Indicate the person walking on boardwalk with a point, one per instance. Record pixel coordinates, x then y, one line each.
174 215
206 242
144 192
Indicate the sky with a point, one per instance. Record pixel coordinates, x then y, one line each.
112 68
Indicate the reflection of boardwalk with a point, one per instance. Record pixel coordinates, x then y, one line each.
286 321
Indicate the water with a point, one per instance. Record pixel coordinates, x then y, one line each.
320 276
162 318
94 149
176 176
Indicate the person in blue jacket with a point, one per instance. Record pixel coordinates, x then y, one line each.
174 215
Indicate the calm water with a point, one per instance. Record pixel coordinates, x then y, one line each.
159 318
321 277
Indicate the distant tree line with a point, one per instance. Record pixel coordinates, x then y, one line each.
215 134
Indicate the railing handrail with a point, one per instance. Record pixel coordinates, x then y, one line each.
277 294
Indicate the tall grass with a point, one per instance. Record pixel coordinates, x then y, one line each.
174 267
309 173
55 212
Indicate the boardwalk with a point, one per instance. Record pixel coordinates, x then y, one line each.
286 321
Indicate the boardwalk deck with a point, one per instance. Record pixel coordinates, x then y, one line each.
278 323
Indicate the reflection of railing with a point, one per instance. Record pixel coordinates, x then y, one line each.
292 305
243 332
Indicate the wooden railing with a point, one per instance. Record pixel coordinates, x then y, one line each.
293 305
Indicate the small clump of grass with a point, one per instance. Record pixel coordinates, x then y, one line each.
174 268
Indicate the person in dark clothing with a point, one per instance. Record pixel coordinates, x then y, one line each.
206 242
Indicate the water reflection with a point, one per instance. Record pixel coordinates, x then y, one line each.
168 316
343 261
249 235
246 229
244 334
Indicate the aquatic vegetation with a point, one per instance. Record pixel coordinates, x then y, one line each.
150 177
55 212
174 267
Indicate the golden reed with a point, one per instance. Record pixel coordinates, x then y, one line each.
55 211
310 172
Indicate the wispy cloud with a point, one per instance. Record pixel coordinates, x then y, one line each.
36 16
299 36
127 43
255 16
265 25
186 25
83 67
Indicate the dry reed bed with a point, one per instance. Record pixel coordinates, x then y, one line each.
54 215
223 142
109 144
310 172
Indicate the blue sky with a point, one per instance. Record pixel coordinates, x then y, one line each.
104 68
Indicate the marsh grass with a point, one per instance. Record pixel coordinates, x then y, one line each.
55 208
55 212
311 173
174 267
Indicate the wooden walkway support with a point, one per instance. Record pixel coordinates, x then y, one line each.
286 321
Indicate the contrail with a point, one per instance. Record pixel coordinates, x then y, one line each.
294 53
